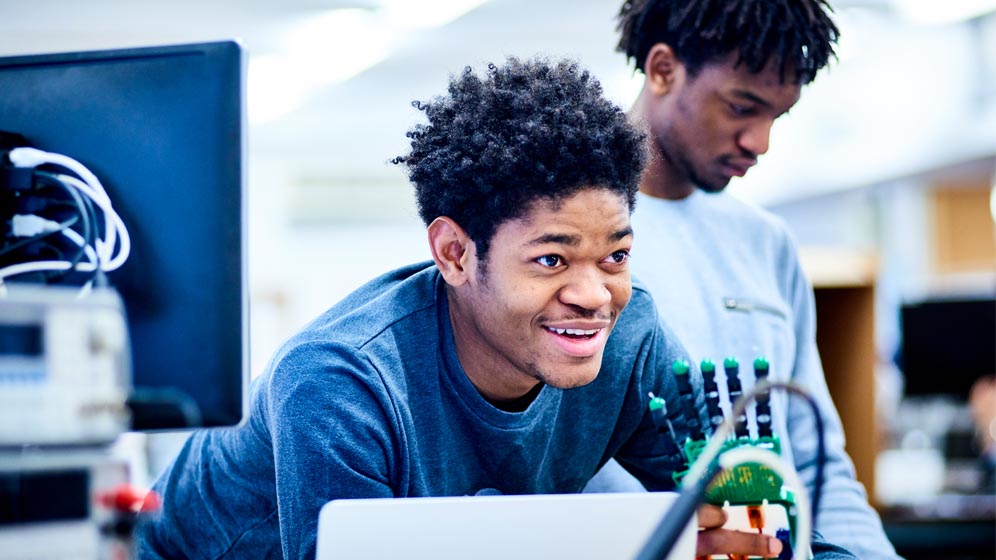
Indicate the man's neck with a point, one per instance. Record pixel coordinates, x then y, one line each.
660 178
488 373
660 181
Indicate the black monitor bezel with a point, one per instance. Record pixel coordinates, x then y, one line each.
220 70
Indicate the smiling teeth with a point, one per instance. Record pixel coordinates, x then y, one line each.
575 332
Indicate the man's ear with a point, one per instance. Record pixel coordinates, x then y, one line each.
663 69
451 249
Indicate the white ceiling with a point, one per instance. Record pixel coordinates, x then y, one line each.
904 97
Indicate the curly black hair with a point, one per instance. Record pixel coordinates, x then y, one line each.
525 131
796 35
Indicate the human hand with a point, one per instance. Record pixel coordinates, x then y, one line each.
982 402
713 539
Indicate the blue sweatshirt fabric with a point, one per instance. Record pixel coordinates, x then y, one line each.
370 400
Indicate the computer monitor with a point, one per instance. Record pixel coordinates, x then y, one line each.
163 129
947 344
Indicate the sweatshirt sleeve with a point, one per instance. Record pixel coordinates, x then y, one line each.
651 454
329 419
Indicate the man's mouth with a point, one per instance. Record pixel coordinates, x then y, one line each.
578 342
738 167
574 333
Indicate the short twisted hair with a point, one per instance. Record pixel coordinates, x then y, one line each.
796 35
525 131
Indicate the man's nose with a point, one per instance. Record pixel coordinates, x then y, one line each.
588 289
755 138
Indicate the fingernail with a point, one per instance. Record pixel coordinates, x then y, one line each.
774 547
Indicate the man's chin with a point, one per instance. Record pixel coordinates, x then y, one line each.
571 380
714 186
713 189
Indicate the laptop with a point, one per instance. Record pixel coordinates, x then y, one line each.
574 526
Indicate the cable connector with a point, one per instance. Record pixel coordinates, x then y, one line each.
12 176
755 516
30 225
27 157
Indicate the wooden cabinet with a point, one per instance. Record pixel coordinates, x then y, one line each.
844 286
964 239
846 339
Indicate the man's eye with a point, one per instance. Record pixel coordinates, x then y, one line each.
619 257
549 261
740 110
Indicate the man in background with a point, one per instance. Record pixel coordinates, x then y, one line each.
726 275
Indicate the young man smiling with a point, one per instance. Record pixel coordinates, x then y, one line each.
509 364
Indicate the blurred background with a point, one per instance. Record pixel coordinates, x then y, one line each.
884 170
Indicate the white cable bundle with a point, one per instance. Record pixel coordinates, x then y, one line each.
115 232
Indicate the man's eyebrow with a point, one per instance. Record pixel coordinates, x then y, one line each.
750 96
558 238
621 234
575 240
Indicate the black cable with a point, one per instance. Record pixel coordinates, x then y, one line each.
82 217
87 230
98 270
86 209
87 226
821 451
